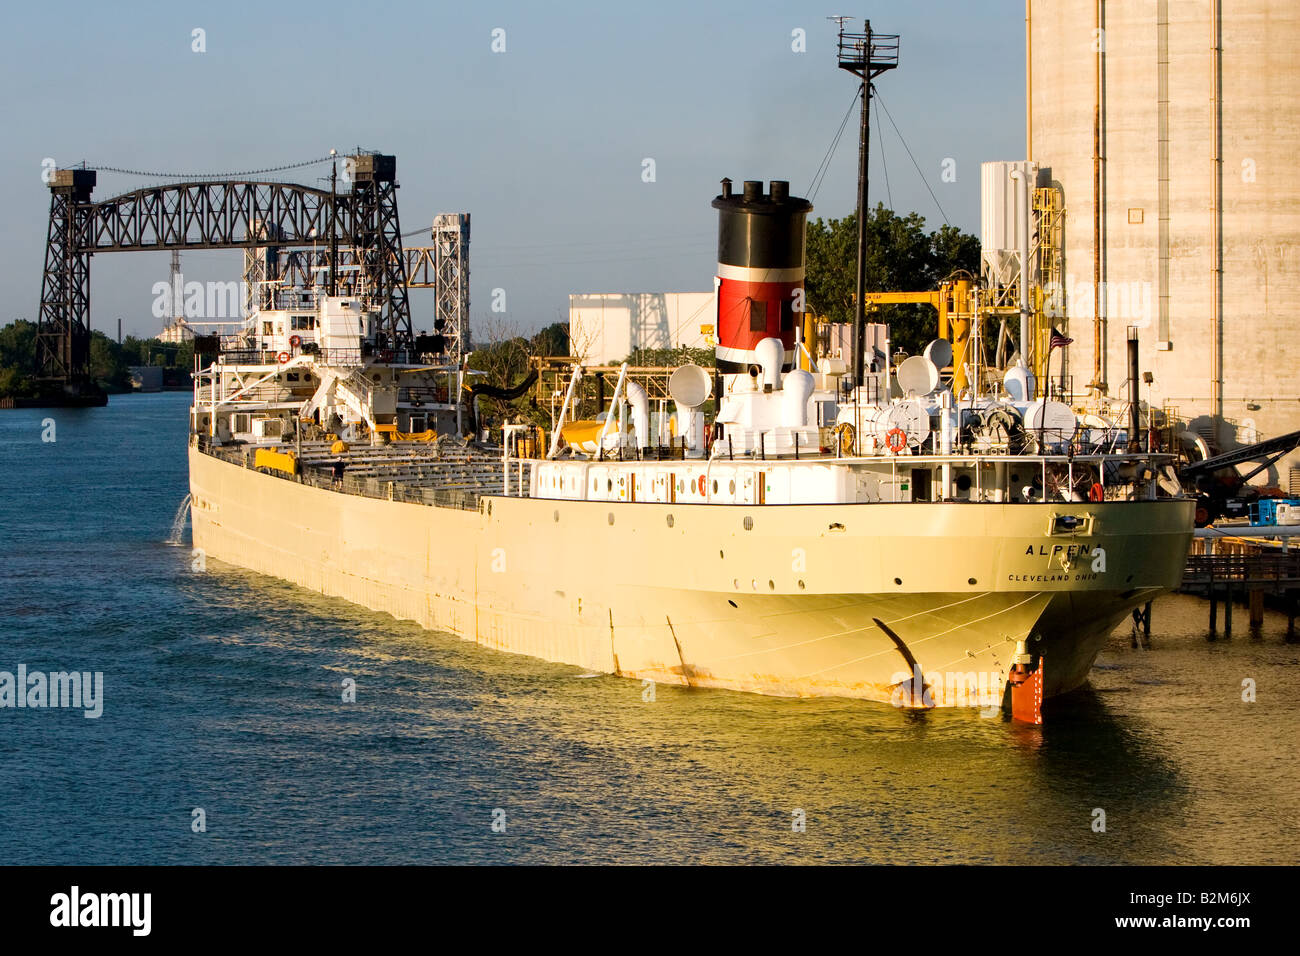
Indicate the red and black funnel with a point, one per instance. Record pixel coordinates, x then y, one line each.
760 270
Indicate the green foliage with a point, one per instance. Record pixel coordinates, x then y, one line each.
18 347
14 383
552 340
109 361
901 257
108 366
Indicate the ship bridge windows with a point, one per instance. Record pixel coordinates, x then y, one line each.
302 323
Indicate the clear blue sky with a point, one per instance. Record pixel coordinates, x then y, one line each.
542 144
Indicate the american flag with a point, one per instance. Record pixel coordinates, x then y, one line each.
1059 341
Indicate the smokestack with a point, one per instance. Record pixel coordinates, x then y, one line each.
1134 420
760 267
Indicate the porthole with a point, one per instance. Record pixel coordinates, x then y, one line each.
715 486
721 555
971 581
611 517
733 603
771 585
609 484
801 584
670 521
557 516
898 580
749 523
753 583
733 486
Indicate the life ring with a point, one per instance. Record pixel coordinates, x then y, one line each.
1096 493
295 341
701 484
895 440
283 358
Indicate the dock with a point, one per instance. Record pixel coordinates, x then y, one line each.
1235 564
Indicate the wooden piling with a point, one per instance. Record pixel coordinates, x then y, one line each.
1256 609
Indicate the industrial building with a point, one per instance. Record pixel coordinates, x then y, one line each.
607 327
1169 129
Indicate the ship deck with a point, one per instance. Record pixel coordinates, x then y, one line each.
448 472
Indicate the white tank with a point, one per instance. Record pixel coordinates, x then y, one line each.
1051 422
1001 221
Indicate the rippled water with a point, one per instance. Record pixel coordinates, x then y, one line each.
223 692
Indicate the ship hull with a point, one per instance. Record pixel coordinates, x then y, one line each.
801 600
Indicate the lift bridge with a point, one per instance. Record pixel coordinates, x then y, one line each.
286 224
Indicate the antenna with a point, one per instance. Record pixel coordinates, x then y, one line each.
866 55
334 238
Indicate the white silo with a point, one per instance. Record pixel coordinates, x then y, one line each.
1173 121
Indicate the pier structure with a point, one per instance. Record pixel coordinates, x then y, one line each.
1227 566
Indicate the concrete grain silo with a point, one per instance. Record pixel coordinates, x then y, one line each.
1171 128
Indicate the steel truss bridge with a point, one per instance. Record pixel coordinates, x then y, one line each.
360 225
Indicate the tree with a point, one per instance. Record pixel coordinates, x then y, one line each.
505 360
18 347
108 365
109 361
552 340
901 257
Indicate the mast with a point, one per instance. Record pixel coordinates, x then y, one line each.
334 234
866 55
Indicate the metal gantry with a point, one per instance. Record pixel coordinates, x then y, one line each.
451 269
63 324
224 214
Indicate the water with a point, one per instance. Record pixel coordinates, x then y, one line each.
223 692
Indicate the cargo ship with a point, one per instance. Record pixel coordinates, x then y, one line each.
933 534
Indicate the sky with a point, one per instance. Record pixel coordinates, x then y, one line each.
544 144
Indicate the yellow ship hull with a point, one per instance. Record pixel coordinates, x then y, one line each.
800 600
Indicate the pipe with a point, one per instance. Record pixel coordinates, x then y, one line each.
690 426
1216 220
770 354
1025 312
959 321
1097 383
568 399
797 390
1029 84
609 418
1134 419
640 402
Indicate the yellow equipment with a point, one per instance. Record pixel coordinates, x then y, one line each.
283 461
